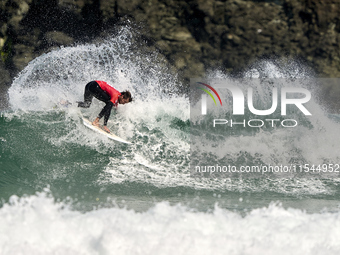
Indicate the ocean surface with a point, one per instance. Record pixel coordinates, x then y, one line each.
67 190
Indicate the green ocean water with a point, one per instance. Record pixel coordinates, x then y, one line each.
40 150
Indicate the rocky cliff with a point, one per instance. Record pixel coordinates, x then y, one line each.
194 35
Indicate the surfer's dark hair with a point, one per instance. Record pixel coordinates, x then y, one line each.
127 95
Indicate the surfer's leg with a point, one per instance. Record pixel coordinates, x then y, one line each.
101 95
88 95
106 111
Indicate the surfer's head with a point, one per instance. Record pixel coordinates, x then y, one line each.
125 97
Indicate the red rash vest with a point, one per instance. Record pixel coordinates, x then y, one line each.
113 93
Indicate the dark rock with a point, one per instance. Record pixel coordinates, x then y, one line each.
108 10
57 38
23 55
179 34
193 35
5 81
5 78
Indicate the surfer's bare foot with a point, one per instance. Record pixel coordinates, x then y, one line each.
96 122
106 129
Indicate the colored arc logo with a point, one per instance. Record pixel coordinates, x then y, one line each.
212 89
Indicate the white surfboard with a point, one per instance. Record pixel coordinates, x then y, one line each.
111 136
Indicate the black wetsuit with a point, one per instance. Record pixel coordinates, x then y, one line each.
92 89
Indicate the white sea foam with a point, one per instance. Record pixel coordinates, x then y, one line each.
38 225
63 73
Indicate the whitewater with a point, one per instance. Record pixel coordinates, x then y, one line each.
67 190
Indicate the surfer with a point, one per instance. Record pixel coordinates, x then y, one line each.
107 94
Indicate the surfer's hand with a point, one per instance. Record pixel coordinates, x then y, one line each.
106 129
